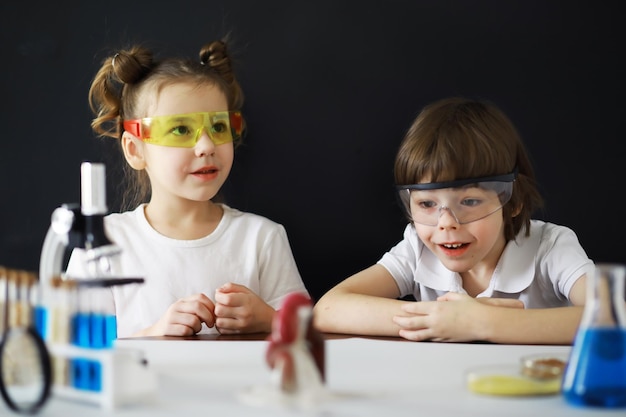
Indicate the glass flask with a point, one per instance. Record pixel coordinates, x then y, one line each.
596 372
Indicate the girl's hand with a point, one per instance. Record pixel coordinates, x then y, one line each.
184 317
239 310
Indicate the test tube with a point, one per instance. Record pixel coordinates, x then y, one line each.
25 283
86 374
60 313
3 301
14 313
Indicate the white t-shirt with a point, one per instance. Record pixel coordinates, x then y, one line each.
539 270
245 248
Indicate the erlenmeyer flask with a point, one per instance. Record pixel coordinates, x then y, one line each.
596 370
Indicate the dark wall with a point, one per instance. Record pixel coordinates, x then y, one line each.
331 88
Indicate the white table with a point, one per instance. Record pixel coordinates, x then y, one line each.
370 377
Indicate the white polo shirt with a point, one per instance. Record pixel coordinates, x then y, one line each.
539 270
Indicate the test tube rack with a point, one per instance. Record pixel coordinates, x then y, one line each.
86 367
109 378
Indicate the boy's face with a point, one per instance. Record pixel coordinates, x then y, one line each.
461 221
463 247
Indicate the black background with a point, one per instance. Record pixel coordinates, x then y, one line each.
331 87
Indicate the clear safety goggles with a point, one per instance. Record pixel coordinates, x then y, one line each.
184 130
466 200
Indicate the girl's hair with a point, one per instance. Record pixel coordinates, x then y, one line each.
458 138
121 90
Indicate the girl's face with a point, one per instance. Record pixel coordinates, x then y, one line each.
197 173
463 247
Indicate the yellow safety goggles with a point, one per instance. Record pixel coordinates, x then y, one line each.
183 130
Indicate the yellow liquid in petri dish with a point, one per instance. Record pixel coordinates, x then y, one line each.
511 385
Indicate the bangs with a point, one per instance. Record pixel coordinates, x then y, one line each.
452 151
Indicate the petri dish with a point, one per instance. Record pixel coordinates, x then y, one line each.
542 366
509 380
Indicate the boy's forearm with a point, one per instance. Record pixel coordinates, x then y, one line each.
357 314
551 326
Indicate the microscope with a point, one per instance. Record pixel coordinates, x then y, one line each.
78 332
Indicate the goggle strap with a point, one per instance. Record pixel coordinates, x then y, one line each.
236 124
133 127
510 177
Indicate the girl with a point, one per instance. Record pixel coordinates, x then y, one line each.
478 266
205 264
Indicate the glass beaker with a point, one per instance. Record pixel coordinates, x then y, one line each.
596 370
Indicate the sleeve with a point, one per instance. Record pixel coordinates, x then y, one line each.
563 259
401 261
76 266
279 275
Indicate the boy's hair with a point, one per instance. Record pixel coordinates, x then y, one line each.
130 79
458 138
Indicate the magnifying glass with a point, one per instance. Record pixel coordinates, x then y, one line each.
26 373
25 370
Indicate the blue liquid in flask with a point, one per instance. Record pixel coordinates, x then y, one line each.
596 374
596 371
